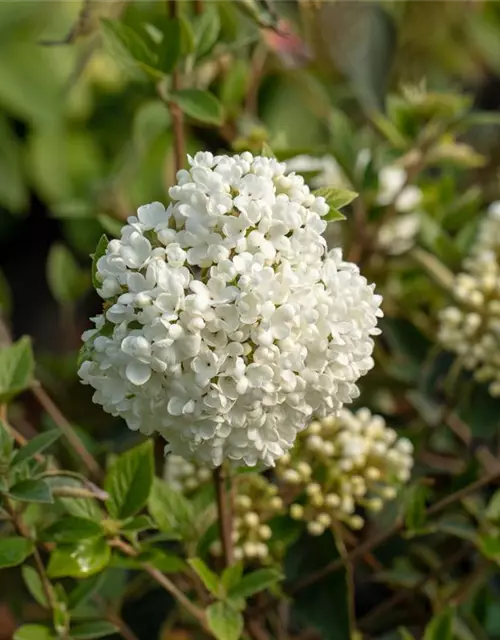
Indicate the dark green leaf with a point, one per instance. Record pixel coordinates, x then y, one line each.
224 622
139 523
490 546
129 481
31 491
415 498
16 368
440 627
6 442
71 529
493 509
231 576
171 511
66 280
84 590
14 551
187 36
199 105
335 198
34 585
36 445
163 560
99 252
206 30
93 629
255 582
170 49
33 632
79 560
207 576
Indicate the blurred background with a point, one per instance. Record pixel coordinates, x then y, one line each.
85 139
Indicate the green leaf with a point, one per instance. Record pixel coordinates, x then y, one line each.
224 622
84 590
163 560
80 560
266 151
14 550
255 582
33 632
129 481
110 225
127 46
172 512
199 105
71 529
99 252
208 577
493 509
36 445
16 369
31 491
440 627
170 49
335 198
6 442
405 634
187 36
489 546
231 576
415 498
206 30
66 280
139 523
34 585
93 629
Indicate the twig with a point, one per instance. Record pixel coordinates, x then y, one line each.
57 416
225 516
124 630
175 111
198 7
165 582
463 433
398 526
349 576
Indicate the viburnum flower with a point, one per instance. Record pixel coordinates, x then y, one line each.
227 323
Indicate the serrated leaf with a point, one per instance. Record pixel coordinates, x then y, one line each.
80 560
440 627
231 576
71 529
171 511
14 550
67 282
33 632
170 49
224 622
16 369
129 481
36 445
99 252
206 30
255 582
34 585
207 576
93 629
200 105
335 198
31 491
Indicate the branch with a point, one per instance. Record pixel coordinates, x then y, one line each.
225 515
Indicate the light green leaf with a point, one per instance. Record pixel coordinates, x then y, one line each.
150 121
71 529
16 369
187 36
490 547
493 509
79 560
34 585
67 281
440 627
171 46
335 198
206 30
208 577
163 560
31 491
99 252
93 629
110 225
139 523
231 576
200 105
14 551
224 622
129 481
33 632
172 512
266 151
36 445
6 442
127 47
255 582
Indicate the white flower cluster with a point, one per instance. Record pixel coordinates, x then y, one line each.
226 322
471 328
342 463
397 235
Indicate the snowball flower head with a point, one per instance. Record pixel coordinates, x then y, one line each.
226 321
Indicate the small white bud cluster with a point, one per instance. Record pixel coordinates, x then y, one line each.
471 327
342 463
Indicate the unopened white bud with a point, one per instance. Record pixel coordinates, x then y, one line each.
265 532
296 511
315 528
251 519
